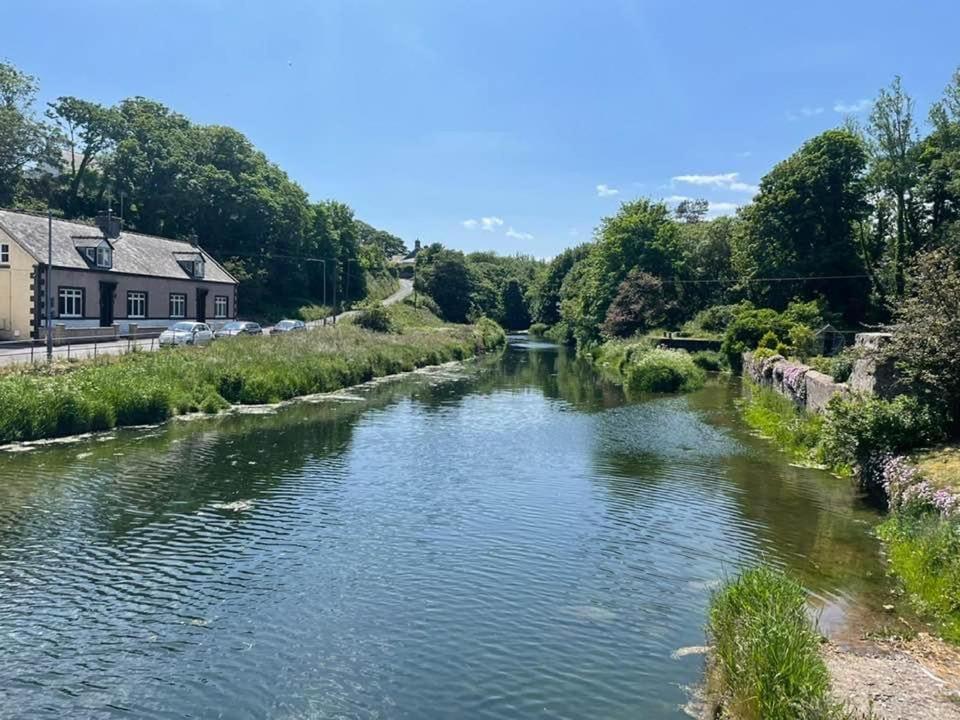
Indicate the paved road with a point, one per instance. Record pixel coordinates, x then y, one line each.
21 353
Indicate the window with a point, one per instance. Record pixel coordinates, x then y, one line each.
178 305
220 306
104 256
91 254
70 302
4 254
136 304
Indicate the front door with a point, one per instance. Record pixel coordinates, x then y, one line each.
201 305
107 292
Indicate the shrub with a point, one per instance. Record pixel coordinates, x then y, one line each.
539 329
709 360
663 371
803 341
376 318
858 428
769 341
766 656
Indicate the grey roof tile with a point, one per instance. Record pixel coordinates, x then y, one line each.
132 252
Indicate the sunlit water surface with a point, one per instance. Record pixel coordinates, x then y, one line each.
507 540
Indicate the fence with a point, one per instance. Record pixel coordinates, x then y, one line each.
14 352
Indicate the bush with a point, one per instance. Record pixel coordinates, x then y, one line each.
769 341
752 328
638 306
663 371
802 341
766 657
539 329
858 428
711 360
376 318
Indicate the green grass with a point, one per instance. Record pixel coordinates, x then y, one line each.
766 663
776 417
642 368
924 552
140 388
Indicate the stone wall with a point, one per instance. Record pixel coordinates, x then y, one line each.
809 389
872 373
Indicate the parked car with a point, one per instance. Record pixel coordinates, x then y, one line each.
239 327
187 333
288 326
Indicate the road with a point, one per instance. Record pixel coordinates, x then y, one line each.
21 352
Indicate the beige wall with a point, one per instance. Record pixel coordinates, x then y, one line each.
16 304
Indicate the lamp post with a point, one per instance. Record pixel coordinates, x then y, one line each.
47 289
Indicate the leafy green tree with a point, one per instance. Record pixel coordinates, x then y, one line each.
545 303
23 139
516 314
88 130
894 165
388 243
938 162
642 234
443 275
801 225
692 210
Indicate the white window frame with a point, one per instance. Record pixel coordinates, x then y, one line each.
104 256
4 254
181 299
71 298
217 314
137 297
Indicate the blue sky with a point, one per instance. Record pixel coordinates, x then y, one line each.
509 125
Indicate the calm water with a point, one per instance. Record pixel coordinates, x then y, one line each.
513 540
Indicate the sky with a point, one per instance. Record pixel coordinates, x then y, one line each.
506 125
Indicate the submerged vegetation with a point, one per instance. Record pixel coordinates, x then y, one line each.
141 387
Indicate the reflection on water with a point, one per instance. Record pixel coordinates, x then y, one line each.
508 540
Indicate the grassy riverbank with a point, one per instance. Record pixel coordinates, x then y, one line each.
139 388
765 662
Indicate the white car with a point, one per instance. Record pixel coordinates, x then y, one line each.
187 333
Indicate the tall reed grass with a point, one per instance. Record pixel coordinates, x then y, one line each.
149 387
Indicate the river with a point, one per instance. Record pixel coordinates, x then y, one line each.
509 539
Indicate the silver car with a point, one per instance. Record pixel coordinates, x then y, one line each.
239 327
186 333
288 326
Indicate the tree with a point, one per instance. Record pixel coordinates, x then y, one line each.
23 139
926 339
443 275
516 315
641 234
938 162
545 306
88 130
894 164
638 306
388 244
692 211
801 225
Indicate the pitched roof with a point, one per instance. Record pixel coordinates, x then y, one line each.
132 252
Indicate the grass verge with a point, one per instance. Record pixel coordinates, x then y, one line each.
924 552
140 388
766 662
776 417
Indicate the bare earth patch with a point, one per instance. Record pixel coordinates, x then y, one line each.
916 679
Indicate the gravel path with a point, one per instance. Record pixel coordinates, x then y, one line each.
917 679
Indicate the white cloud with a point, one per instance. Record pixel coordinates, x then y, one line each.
676 199
724 181
811 111
855 107
485 223
490 223
604 190
722 208
511 233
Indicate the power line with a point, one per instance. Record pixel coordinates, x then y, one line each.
796 278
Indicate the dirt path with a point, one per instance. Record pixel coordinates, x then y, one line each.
916 679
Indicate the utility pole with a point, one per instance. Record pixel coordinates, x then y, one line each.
334 291
47 281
